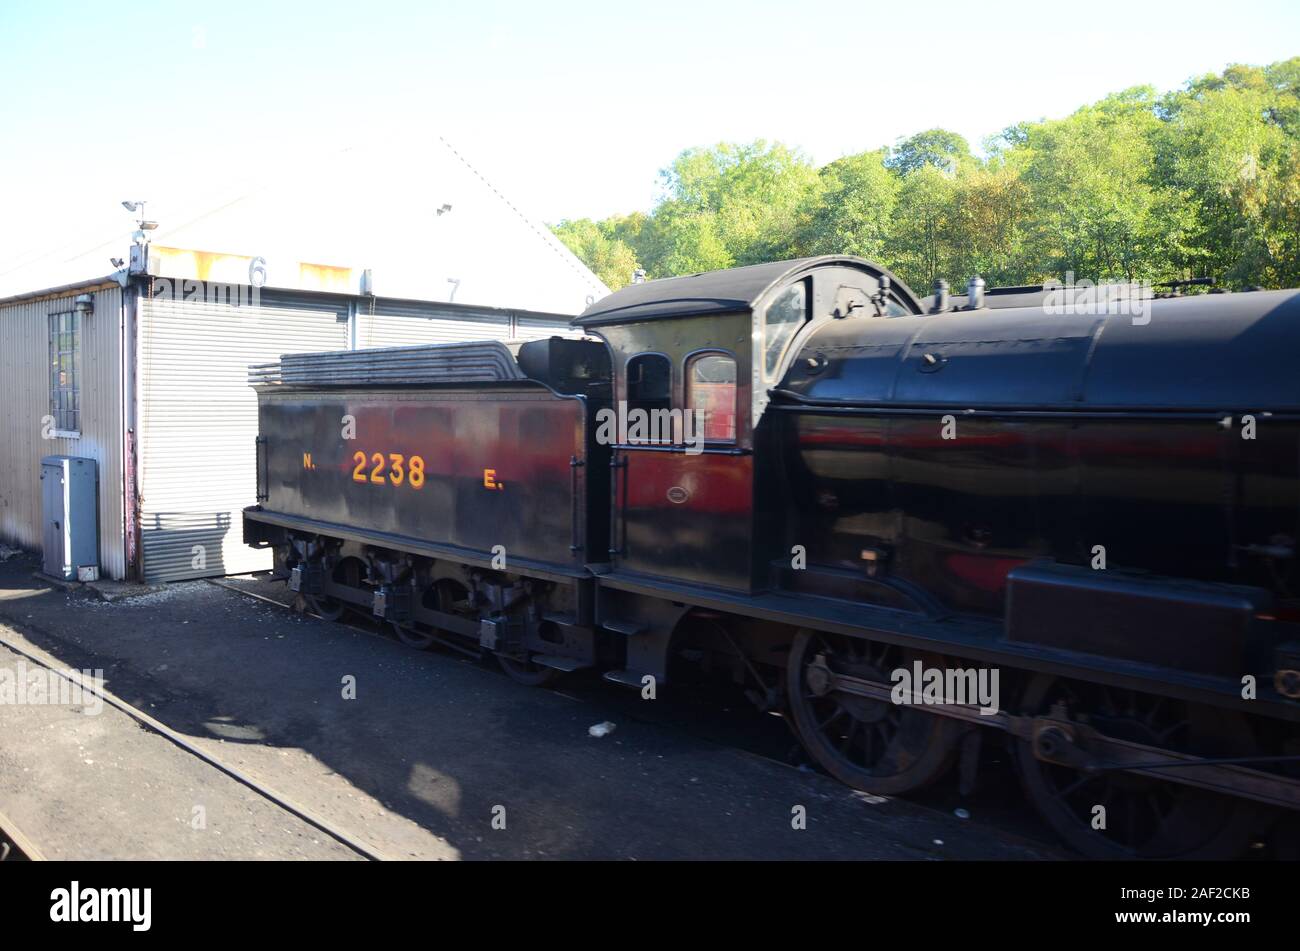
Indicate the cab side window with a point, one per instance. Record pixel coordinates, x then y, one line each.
784 316
711 396
649 382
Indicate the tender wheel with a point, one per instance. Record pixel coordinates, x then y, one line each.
875 746
327 609
1145 818
444 595
346 572
416 636
527 673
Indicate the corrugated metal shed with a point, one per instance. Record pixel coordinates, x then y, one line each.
25 374
398 323
198 423
191 333
539 328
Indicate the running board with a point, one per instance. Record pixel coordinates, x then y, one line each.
563 664
627 678
627 628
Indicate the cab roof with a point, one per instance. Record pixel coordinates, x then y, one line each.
711 292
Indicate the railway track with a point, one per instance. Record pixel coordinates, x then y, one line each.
14 844
728 720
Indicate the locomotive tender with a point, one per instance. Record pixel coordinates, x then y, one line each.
1094 513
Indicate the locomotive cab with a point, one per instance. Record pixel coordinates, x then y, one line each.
694 360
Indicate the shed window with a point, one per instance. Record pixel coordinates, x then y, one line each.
65 371
711 393
784 317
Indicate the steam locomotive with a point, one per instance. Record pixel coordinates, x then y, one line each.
909 525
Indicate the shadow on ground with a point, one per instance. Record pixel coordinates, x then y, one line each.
436 744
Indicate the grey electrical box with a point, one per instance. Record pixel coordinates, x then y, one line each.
69 496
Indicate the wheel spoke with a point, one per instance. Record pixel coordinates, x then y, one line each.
1146 816
1076 785
835 715
847 741
1165 734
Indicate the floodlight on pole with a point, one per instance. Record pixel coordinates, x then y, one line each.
142 224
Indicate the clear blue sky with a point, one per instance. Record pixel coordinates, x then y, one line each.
571 107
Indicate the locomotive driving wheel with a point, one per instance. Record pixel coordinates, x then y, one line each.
873 745
1115 814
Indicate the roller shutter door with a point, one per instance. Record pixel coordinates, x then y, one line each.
198 423
396 330
537 328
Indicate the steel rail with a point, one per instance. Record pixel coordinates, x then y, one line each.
26 846
40 657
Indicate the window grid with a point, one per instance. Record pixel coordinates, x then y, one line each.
65 371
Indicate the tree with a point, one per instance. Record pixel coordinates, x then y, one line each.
989 220
610 258
1204 180
1098 210
936 148
1230 144
857 196
753 197
686 240
921 227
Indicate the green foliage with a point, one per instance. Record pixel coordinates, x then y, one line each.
1137 186
1096 209
1231 144
731 205
921 234
936 148
598 245
855 208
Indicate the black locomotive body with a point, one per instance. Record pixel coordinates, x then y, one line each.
803 474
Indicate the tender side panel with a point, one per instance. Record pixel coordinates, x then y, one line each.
467 468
